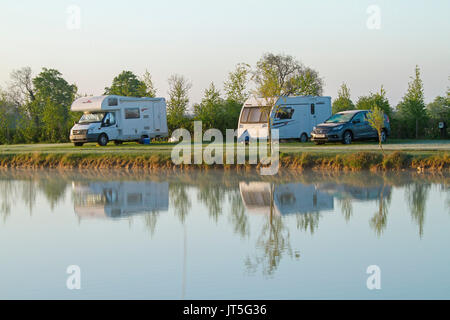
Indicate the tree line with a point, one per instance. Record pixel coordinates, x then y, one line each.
37 109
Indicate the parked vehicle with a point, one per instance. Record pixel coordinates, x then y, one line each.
347 126
294 116
118 119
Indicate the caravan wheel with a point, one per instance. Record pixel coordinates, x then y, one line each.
303 138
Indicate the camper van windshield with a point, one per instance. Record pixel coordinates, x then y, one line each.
340 118
91 117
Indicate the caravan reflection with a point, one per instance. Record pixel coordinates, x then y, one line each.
289 198
119 199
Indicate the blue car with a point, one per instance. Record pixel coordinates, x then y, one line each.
347 126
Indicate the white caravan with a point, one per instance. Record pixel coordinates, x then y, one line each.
118 119
294 117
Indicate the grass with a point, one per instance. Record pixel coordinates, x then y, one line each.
400 155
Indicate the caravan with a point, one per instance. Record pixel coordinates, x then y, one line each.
295 117
118 119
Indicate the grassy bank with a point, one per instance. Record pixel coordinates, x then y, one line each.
300 160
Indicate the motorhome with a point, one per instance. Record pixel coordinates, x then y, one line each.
118 119
294 117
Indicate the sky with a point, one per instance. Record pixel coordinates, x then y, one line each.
365 44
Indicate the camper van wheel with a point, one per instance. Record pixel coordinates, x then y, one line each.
78 144
103 140
303 138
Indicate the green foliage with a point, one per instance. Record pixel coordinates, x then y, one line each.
236 85
376 120
438 111
127 84
178 102
412 111
150 90
378 99
343 101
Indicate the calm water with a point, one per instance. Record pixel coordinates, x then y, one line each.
225 235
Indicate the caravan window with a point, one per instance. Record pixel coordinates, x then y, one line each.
132 113
284 113
253 115
91 117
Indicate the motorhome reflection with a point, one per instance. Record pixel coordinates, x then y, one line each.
118 119
119 199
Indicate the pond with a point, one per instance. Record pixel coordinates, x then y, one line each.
224 235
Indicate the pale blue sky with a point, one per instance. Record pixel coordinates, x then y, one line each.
203 40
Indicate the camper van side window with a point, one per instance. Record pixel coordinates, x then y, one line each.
245 115
132 113
313 108
112 102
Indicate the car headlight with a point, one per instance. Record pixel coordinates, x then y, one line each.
337 128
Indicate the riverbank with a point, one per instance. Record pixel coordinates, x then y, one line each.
335 161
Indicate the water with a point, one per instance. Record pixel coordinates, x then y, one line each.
198 235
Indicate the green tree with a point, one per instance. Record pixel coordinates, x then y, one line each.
178 102
343 101
51 107
127 84
282 75
412 107
438 111
235 86
210 110
150 90
376 120
378 99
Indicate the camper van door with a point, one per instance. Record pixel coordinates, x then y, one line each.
110 126
156 116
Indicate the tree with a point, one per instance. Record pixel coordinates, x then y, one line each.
236 84
178 102
150 90
21 90
412 107
378 99
210 110
343 101
127 84
438 111
282 75
376 120
51 107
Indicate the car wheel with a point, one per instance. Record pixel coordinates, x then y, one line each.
303 138
78 144
383 136
103 140
347 139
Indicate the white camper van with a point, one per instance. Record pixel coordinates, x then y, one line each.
118 119
294 117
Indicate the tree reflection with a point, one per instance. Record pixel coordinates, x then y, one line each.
212 196
238 216
179 200
273 241
308 221
416 195
379 220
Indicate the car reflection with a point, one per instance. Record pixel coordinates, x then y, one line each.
289 198
119 199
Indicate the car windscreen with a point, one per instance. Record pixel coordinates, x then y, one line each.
340 118
253 115
91 117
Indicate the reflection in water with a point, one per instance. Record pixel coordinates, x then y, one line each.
275 201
